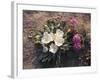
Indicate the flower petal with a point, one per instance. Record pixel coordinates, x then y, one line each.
59 41
76 38
59 33
51 36
53 48
46 38
77 46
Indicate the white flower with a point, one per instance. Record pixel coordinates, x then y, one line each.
57 37
59 40
53 48
46 38
59 33
51 36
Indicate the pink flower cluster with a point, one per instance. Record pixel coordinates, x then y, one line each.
76 42
73 22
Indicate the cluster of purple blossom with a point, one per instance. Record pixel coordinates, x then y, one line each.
76 40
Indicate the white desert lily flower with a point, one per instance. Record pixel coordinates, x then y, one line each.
46 38
57 37
51 36
53 48
59 33
59 40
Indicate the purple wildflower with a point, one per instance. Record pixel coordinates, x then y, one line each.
73 22
77 46
76 38
76 42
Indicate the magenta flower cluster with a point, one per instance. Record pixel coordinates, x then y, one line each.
76 42
73 22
